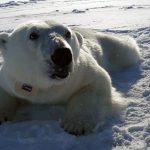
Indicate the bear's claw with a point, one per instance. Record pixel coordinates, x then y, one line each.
76 126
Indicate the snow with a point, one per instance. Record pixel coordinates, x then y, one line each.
41 130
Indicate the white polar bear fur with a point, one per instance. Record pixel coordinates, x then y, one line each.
87 91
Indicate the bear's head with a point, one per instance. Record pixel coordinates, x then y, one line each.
40 53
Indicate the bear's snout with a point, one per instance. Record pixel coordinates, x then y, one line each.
62 57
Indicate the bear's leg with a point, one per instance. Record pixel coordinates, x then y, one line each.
119 52
8 106
84 111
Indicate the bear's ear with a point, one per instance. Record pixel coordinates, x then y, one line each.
80 38
3 40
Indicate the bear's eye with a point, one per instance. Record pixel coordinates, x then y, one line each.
34 36
68 34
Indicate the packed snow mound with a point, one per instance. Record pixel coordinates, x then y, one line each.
134 132
17 3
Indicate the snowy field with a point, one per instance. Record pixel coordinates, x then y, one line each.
119 17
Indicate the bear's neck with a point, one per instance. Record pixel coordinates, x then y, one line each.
15 87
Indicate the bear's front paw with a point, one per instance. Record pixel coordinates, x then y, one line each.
7 111
5 116
78 125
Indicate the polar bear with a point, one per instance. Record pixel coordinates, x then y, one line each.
49 63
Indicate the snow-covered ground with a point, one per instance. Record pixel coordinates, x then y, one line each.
119 17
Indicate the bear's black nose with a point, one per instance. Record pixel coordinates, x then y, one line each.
62 57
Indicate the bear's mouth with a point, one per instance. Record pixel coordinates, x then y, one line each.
60 74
